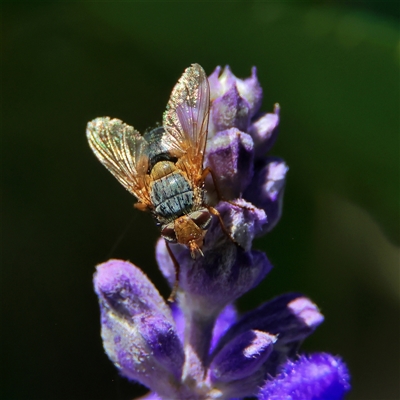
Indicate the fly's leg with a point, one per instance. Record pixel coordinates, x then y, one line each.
214 211
203 177
172 296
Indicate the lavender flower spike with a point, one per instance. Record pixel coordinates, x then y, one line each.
198 347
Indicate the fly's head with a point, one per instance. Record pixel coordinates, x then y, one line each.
189 230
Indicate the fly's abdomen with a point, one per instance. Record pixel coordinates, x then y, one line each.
171 194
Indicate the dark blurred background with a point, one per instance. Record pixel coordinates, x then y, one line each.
335 71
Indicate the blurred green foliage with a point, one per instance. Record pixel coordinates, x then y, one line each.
335 72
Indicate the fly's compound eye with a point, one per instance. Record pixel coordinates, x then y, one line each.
202 218
168 233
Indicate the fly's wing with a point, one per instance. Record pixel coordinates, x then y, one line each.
123 151
186 118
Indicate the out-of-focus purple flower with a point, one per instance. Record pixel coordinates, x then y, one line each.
198 347
318 377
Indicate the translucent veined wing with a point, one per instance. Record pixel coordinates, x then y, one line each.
186 117
123 151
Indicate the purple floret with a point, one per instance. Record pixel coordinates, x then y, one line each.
138 331
319 376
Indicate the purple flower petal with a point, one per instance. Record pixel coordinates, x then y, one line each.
241 219
163 342
244 388
250 88
211 282
317 377
230 157
125 289
216 88
138 331
150 396
264 132
266 190
230 111
179 319
225 320
241 357
291 316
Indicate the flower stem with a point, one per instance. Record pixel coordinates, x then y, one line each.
198 334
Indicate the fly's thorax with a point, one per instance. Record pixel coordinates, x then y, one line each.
157 149
161 169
